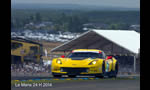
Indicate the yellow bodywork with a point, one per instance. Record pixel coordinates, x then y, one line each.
112 64
91 69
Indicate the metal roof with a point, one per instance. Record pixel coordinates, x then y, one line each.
24 40
110 41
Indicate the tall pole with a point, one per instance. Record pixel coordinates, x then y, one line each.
112 49
134 64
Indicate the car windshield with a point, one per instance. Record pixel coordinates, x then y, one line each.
84 55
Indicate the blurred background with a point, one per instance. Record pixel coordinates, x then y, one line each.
39 26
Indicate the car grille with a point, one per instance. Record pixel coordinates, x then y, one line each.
74 70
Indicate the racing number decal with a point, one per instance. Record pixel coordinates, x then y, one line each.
107 66
108 62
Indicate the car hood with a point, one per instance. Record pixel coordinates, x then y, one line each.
68 62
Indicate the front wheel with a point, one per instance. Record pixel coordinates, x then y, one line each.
72 76
57 76
99 76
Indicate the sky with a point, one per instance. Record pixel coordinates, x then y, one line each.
116 3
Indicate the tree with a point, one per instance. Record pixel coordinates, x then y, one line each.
31 18
75 24
38 17
114 26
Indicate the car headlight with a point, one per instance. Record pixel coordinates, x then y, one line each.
58 61
93 62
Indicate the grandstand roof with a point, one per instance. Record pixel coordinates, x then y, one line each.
24 40
110 41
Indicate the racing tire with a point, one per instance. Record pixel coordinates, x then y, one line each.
99 76
72 76
57 76
103 71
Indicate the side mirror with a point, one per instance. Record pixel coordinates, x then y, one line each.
62 56
109 57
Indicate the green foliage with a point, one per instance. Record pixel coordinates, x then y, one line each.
38 17
73 20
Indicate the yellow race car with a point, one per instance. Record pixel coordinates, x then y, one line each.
85 62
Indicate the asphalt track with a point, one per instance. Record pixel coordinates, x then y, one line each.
51 77
121 84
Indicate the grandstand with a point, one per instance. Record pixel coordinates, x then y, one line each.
23 50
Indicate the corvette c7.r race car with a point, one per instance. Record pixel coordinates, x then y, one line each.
85 62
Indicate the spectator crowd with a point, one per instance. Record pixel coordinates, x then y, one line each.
30 69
